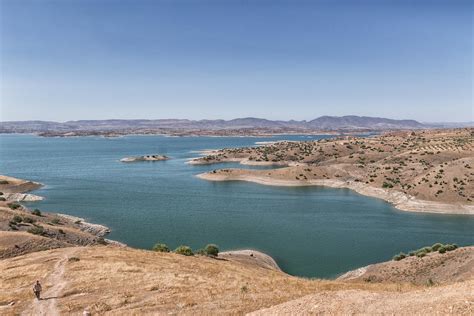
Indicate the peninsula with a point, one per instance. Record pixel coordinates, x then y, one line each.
420 170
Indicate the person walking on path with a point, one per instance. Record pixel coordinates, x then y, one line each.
37 289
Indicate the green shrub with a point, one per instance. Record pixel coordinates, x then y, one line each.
442 249
28 220
421 254
36 230
4 182
1 193
212 250
387 185
14 205
56 221
17 219
399 257
436 246
184 250
427 249
411 253
161 248
2 199
450 247
201 252
36 212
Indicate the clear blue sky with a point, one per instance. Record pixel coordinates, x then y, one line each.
71 59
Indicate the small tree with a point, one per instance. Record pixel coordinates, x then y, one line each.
36 212
160 248
184 250
212 250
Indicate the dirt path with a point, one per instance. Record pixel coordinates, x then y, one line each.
52 288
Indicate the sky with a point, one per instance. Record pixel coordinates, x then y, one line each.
101 59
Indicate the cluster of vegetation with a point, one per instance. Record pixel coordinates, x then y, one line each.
37 230
4 182
13 224
14 205
420 253
210 250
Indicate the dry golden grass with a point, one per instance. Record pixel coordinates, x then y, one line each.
124 281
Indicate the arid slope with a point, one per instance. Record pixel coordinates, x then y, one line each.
124 281
425 171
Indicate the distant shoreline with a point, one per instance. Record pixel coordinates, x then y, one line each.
398 199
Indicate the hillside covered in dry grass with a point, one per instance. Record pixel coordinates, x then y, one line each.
123 281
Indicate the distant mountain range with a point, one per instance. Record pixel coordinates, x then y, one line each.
351 122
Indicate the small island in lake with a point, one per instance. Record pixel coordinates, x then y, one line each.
145 158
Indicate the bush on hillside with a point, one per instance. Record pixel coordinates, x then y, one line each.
17 219
184 250
442 249
399 257
200 252
160 248
36 212
436 246
212 250
14 205
450 247
56 221
421 254
28 220
36 230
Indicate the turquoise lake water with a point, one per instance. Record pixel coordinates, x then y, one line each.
313 232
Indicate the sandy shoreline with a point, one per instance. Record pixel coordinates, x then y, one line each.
398 199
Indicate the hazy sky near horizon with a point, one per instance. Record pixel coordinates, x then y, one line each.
99 59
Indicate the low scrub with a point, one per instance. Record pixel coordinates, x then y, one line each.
28 220
17 219
14 205
160 248
212 250
400 256
420 253
37 230
184 250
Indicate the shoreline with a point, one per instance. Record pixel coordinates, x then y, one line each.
245 256
399 200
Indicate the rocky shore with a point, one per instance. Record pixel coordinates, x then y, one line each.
145 158
398 199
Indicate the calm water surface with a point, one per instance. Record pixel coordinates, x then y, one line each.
314 232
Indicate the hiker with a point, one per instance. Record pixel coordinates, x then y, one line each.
37 289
